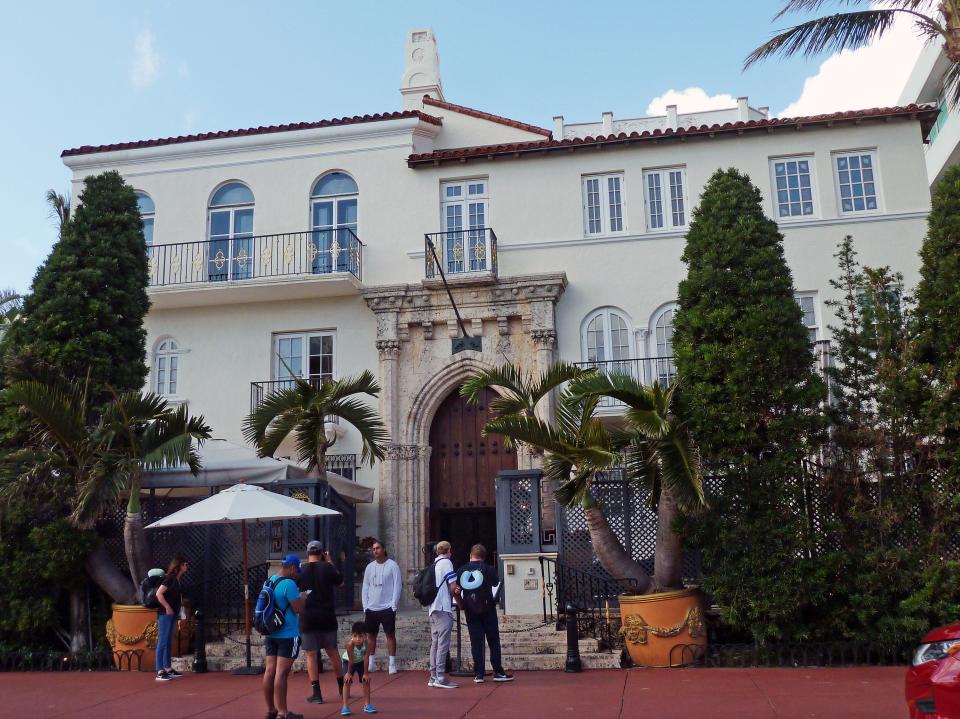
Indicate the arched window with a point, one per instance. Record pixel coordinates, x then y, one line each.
230 249
333 213
166 367
147 213
661 339
606 337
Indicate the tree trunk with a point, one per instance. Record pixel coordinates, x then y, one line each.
668 554
110 579
613 557
79 630
951 45
136 548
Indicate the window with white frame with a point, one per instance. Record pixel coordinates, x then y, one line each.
793 187
464 208
166 367
808 306
666 198
606 336
230 227
855 173
309 355
661 336
603 204
333 218
147 214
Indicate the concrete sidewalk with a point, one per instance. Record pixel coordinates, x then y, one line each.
870 693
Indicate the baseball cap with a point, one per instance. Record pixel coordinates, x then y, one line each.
291 560
314 547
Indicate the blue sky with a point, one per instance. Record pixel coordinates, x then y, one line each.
99 72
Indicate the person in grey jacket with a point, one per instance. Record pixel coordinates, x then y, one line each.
381 595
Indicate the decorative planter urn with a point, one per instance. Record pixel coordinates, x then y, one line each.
663 630
133 628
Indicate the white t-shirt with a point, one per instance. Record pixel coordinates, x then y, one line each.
443 575
381 586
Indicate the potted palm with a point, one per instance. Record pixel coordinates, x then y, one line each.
104 463
659 456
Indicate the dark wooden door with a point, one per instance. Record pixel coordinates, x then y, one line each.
463 467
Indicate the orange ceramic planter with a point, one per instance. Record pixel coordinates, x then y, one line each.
133 627
654 625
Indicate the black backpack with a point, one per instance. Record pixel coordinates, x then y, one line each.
425 585
476 594
148 590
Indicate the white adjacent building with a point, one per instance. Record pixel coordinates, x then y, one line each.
306 242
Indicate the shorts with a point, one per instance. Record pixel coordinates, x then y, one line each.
286 647
315 641
386 617
357 669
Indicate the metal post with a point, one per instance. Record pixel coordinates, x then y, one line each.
573 663
459 672
199 643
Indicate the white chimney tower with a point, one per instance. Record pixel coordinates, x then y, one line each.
421 73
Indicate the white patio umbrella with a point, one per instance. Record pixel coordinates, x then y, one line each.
240 503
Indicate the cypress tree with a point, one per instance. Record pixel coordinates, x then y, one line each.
752 397
88 300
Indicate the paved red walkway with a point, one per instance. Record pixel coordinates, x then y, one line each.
870 693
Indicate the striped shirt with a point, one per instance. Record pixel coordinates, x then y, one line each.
444 575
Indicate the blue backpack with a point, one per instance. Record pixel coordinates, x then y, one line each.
268 618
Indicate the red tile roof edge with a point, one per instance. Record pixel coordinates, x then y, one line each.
263 130
427 100
925 113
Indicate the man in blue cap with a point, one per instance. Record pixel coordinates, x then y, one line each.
283 646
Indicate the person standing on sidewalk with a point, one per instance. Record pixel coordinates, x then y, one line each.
283 646
170 596
441 616
318 620
476 581
381 595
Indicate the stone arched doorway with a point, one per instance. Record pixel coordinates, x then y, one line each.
463 467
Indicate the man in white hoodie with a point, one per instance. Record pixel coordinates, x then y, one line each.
381 594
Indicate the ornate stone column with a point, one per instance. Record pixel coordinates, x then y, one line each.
411 465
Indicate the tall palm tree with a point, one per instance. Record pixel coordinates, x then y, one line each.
659 454
136 431
59 210
854 29
305 409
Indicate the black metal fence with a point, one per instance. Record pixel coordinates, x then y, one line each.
246 257
461 252
646 370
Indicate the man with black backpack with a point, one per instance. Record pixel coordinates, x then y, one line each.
477 582
281 641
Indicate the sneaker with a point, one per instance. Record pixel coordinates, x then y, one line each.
315 699
444 683
371 666
431 681
174 674
478 680
345 712
369 709
502 677
393 668
271 715
292 715
163 677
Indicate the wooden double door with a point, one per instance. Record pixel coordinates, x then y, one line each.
463 469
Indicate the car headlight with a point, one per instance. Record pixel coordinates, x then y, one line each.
933 651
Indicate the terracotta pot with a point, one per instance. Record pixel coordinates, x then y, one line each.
663 630
133 627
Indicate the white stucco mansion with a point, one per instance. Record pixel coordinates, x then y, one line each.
307 242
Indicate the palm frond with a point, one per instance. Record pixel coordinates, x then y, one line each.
57 411
679 463
553 377
274 405
366 420
508 377
363 383
529 430
174 438
100 487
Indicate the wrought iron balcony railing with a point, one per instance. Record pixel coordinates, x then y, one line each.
246 257
259 391
462 252
645 370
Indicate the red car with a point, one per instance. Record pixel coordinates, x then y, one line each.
933 682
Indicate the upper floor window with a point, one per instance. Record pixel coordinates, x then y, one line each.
606 336
464 208
333 213
230 233
793 185
147 214
308 355
808 306
856 181
166 367
666 195
603 204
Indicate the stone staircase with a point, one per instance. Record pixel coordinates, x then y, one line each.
527 645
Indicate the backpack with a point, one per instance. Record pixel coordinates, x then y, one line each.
425 585
475 593
148 590
268 618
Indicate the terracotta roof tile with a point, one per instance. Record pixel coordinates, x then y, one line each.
427 100
925 113
355 120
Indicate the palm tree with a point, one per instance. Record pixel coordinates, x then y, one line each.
59 210
851 30
304 410
102 463
659 455
10 304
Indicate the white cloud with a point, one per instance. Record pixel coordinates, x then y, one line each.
872 76
146 61
693 99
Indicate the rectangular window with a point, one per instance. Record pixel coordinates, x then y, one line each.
856 181
304 354
603 204
793 187
808 306
464 209
666 198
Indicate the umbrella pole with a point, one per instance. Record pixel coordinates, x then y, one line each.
249 669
